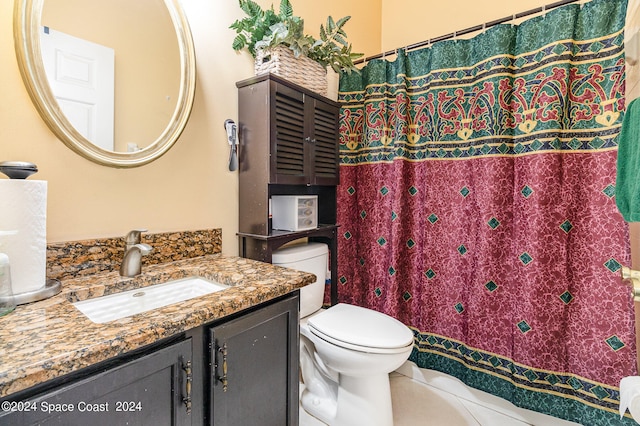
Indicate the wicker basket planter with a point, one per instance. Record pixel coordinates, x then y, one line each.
302 71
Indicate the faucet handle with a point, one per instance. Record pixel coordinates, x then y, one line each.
134 237
144 248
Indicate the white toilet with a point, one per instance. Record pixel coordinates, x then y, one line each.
346 352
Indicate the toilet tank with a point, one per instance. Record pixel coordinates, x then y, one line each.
312 258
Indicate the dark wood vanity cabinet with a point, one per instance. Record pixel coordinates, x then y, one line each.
254 368
180 381
154 388
288 145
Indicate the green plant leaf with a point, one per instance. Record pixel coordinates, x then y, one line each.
340 23
251 8
323 33
239 42
331 25
340 40
286 10
270 18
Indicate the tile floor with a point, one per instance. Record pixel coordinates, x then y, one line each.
426 397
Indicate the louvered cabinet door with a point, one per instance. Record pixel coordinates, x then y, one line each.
305 149
324 154
289 148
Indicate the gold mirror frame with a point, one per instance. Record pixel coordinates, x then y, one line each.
26 27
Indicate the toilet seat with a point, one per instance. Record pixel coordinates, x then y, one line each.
360 329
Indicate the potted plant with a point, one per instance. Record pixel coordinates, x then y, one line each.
278 44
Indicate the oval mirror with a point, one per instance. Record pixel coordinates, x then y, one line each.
113 79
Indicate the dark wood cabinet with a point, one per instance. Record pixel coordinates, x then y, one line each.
288 134
288 145
254 359
179 381
152 389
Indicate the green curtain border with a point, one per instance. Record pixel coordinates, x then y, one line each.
564 408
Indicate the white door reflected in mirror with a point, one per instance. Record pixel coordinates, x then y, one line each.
154 77
81 77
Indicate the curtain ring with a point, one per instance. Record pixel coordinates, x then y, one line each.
544 11
513 20
455 35
484 27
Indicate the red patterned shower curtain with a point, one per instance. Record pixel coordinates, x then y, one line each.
477 206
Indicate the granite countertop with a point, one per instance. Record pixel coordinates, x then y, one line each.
44 340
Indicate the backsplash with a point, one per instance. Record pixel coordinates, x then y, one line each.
80 258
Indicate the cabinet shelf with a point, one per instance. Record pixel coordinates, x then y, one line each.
277 234
261 247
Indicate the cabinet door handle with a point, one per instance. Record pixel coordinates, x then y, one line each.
307 139
187 399
223 378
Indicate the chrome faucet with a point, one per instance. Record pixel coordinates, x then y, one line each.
132 260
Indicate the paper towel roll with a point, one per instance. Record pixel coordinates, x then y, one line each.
630 396
23 232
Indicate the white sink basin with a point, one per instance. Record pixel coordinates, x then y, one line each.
121 305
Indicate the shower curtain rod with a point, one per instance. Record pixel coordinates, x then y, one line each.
469 30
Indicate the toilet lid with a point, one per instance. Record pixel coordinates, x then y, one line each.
356 326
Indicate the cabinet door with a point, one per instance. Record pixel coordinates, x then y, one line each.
146 391
255 368
305 150
289 149
324 158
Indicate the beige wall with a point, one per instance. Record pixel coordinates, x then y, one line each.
633 67
364 29
405 22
